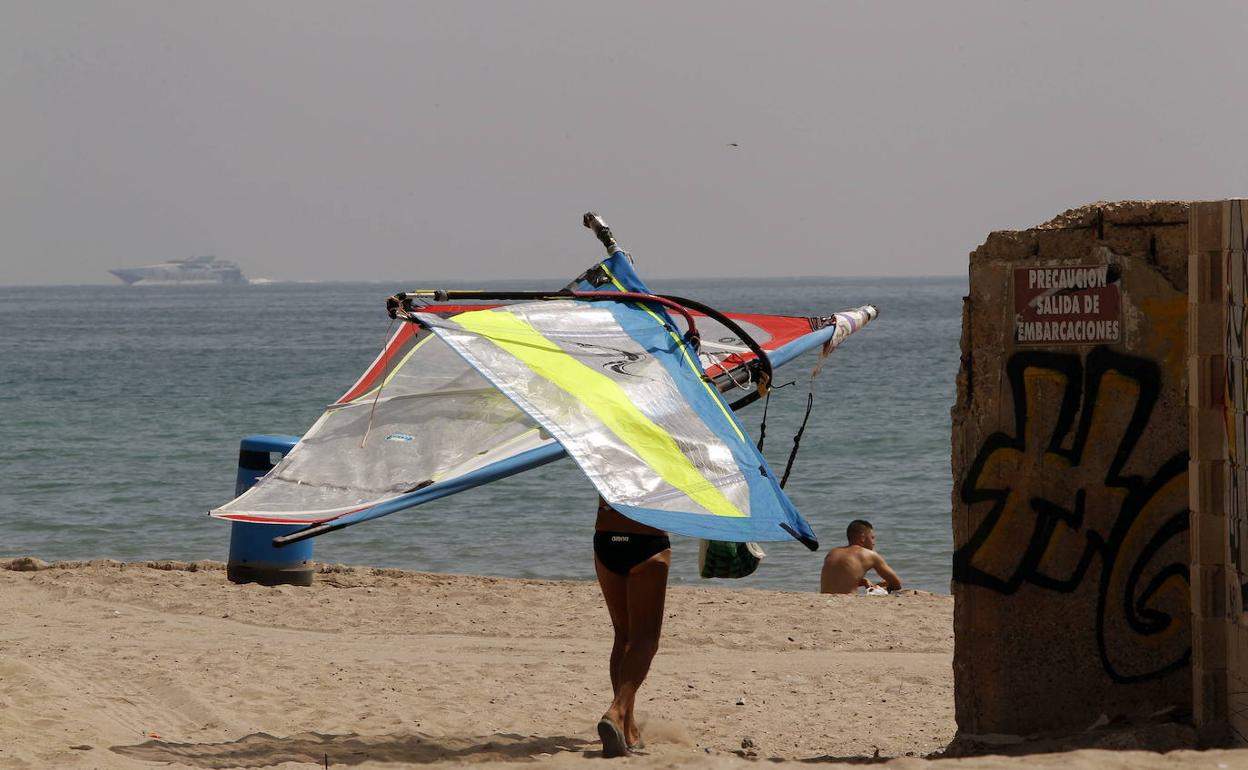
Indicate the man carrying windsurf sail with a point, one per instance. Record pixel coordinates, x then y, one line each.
607 372
604 371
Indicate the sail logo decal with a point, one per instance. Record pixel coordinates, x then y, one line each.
623 358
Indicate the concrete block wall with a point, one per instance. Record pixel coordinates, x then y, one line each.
1218 409
1070 465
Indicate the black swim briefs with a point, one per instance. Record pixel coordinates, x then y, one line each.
621 551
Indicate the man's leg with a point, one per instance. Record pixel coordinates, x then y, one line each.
615 593
646 592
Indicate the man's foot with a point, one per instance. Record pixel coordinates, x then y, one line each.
613 743
632 735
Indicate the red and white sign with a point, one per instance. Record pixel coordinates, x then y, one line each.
1076 305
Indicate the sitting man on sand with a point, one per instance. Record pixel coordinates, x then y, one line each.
845 568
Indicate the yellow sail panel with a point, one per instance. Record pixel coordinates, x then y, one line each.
604 398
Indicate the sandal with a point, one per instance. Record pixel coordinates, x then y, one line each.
613 743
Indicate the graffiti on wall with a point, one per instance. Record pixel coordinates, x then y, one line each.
1073 507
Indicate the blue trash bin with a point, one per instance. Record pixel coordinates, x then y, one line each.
253 559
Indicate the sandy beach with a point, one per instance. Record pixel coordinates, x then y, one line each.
111 665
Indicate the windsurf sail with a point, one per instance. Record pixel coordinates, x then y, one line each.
422 423
626 398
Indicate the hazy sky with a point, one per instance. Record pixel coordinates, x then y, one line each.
410 141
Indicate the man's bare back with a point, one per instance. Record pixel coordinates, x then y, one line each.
845 568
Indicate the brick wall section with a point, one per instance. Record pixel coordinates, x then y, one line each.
1070 469
1218 408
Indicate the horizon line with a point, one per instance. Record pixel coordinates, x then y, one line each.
268 281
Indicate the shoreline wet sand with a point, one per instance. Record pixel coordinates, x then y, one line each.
124 665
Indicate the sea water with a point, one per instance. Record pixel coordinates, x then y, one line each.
121 410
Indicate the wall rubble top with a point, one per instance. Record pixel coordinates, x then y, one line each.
1152 231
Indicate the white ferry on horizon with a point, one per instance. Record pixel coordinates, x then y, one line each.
202 270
